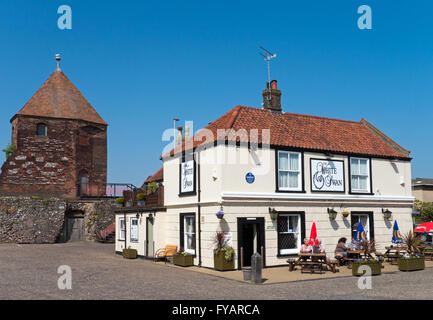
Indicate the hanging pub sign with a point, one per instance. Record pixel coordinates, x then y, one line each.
327 175
187 177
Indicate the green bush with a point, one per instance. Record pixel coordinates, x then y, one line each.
141 197
10 149
119 200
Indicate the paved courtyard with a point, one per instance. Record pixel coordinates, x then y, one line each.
30 272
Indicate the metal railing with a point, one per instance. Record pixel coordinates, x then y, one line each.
103 190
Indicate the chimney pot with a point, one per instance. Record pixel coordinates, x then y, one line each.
274 84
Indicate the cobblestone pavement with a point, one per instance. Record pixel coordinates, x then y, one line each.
30 272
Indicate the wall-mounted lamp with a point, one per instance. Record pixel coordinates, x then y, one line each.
150 216
137 216
273 213
332 214
386 213
220 214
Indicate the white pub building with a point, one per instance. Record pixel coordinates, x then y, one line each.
270 175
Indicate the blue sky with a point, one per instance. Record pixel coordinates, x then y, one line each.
142 63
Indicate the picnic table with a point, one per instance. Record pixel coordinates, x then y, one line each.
393 253
311 262
428 252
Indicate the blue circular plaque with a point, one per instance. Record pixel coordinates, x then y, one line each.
250 177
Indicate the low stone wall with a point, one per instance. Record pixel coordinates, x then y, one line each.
31 220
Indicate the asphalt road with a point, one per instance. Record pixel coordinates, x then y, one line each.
31 272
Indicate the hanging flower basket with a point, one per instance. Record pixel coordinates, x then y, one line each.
345 214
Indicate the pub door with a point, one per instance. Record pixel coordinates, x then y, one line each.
251 239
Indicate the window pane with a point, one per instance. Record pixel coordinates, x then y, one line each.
293 224
363 167
363 183
354 167
289 241
355 184
294 162
282 224
283 163
284 179
293 179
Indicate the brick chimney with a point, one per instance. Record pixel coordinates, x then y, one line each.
272 97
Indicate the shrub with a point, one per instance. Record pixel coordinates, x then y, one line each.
119 200
141 197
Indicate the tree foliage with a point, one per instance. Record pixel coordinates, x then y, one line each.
10 149
425 209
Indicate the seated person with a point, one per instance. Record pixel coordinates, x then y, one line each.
305 248
321 249
341 249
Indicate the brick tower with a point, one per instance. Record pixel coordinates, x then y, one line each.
61 144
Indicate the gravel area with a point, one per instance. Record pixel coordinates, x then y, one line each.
30 272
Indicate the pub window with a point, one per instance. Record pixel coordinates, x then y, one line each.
122 229
41 130
360 175
289 233
289 171
367 221
187 233
134 230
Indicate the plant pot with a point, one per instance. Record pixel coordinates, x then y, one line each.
376 268
129 204
119 205
221 264
184 261
129 253
411 264
247 273
345 214
141 203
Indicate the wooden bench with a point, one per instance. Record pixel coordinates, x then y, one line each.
311 266
166 252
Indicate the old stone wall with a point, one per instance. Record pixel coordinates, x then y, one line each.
98 215
29 220
37 220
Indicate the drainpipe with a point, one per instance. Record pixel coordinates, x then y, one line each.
199 209
126 238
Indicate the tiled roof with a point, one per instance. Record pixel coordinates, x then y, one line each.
300 132
59 98
158 176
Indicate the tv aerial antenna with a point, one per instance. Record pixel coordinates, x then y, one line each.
268 56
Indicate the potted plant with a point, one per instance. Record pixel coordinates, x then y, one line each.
223 254
129 253
129 203
141 197
345 213
119 202
182 258
367 248
413 260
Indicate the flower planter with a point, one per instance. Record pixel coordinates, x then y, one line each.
119 205
247 273
129 204
184 261
411 264
376 268
141 203
221 264
129 253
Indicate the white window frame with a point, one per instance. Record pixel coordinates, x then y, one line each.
185 233
291 251
368 190
122 232
130 229
300 171
367 224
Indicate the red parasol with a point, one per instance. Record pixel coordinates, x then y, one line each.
313 236
425 227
